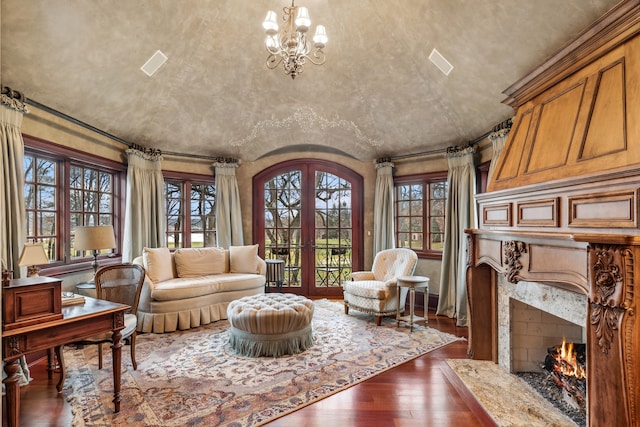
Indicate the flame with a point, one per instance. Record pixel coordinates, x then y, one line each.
568 365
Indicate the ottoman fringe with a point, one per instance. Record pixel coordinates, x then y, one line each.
255 345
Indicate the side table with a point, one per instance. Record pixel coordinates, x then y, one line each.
275 273
413 283
87 289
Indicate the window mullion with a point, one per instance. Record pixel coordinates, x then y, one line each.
64 210
426 216
186 214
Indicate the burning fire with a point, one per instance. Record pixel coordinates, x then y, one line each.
567 363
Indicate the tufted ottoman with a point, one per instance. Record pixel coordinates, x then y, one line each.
270 324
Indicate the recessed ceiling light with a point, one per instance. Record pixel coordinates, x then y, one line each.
154 63
440 62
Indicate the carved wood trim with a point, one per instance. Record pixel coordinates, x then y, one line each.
513 250
118 319
608 303
13 346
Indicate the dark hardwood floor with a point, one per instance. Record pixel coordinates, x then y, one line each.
422 392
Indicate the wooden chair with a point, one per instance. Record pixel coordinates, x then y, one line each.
121 283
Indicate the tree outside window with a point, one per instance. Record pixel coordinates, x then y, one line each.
64 189
40 196
420 203
90 200
190 213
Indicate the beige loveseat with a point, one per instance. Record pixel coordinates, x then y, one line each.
192 287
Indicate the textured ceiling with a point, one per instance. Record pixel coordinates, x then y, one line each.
376 95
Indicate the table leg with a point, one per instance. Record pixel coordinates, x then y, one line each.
12 391
399 288
51 363
116 351
412 302
426 305
63 372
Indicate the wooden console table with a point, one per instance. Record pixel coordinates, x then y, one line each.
78 322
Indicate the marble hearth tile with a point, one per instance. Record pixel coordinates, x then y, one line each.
507 398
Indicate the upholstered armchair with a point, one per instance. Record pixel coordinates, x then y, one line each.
375 291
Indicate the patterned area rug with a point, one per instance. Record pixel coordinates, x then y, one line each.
194 378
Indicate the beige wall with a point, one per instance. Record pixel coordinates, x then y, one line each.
52 128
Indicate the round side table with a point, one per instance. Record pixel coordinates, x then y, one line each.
88 289
413 283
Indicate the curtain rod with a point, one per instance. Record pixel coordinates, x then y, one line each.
107 134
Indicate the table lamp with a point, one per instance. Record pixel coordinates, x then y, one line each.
94 239
33 254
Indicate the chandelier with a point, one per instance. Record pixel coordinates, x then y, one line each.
290 46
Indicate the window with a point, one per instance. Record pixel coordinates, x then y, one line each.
40 197
420 203
90 199
190 205
64 189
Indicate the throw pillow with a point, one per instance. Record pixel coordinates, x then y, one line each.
198 262
243 259
157 262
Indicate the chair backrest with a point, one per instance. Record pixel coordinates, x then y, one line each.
120 283
391 263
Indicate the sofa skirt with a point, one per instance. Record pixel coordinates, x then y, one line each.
170 316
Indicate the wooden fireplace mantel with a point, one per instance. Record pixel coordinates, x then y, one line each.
602 266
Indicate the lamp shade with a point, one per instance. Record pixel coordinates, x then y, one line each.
302 20
270 24
94 238
33 254
320 38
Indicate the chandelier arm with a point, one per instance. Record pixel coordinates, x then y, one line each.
273 51
317 58
273 61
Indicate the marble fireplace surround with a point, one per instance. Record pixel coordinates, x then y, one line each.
602 268
533 317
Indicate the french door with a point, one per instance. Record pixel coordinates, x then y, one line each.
308 213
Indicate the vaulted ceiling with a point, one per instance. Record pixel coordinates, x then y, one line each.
377 94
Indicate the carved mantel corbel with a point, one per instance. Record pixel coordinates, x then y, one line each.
513 250
608 300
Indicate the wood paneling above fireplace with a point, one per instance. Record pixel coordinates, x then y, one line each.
578 121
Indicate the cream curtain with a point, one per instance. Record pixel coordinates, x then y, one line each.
13 229
461 214
228 211
145 215
383 224
497 138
